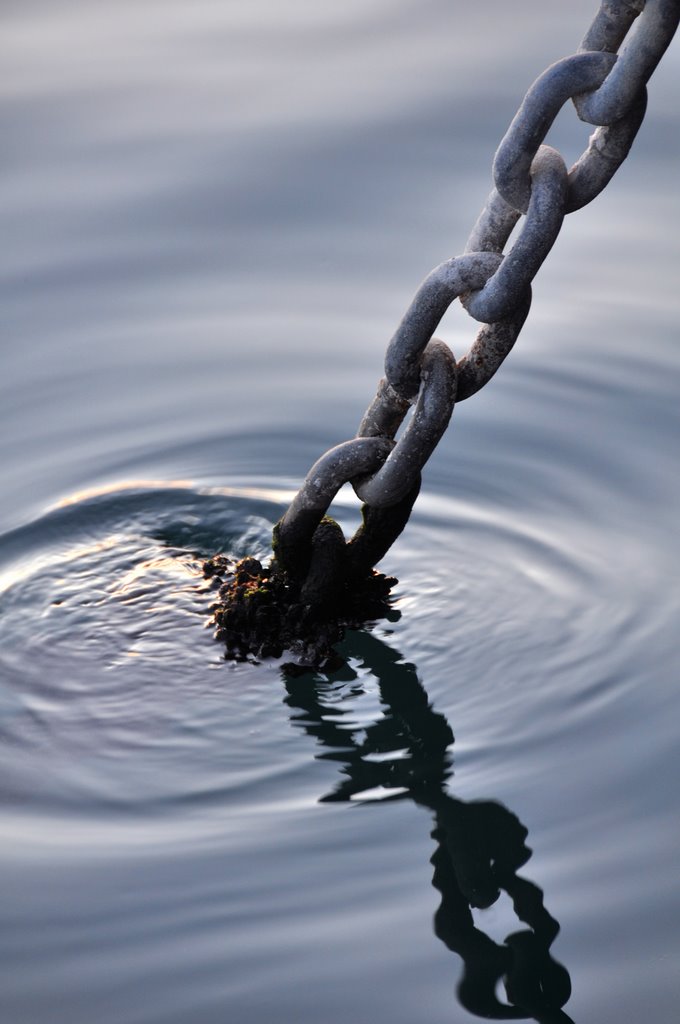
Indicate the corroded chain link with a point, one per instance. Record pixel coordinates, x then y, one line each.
606 79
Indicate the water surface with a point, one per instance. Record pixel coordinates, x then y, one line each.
214 217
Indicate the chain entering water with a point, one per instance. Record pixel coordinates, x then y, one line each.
318 577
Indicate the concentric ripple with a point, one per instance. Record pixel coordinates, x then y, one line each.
113 691
115 697
503 612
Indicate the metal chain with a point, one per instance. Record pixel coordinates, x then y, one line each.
606 80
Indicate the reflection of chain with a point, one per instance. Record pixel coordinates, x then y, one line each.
608 89
480 844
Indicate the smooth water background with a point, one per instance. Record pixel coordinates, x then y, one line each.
213 216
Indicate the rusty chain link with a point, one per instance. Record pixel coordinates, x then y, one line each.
606 80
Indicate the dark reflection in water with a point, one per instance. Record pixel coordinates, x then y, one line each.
480 845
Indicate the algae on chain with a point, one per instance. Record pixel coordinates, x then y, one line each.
262 611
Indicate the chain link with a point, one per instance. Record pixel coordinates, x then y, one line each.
606 80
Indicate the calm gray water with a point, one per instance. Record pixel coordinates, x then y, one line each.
213 217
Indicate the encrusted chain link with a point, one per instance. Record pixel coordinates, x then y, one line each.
606 80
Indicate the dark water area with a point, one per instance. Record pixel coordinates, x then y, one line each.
213 218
